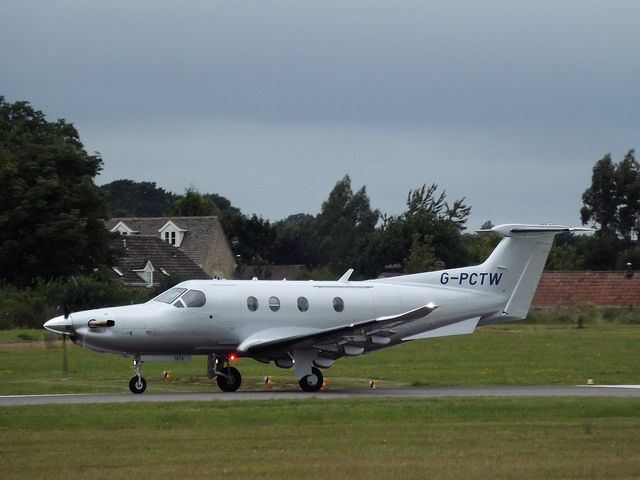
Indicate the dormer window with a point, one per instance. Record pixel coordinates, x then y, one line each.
172 233
146 273
123 229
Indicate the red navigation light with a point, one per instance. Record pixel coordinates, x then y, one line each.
232 357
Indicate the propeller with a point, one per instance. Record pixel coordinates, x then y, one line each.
66 309
63 327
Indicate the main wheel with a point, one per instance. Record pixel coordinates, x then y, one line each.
313 382
231 382
137 384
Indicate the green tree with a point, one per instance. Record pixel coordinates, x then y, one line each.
611 204
627 184
252 239
612 201
343 227
600 199
568 252
193 204
126 198
50 209
422 255
428 215
294 241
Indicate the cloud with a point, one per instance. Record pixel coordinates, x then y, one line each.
269 103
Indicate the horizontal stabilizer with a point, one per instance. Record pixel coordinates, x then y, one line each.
523 230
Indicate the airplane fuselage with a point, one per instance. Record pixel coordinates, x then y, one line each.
236 309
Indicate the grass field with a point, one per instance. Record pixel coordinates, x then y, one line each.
442 438
514 354
368 438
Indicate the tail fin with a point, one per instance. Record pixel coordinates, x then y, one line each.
512 271
520 258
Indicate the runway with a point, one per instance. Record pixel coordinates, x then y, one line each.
426 392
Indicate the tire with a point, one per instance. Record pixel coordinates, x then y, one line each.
313 382
136 386
229 384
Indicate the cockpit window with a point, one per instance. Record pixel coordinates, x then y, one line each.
170 295
194 298
191 299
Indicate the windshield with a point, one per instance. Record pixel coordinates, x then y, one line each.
170 295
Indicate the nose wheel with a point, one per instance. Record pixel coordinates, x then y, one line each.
137 384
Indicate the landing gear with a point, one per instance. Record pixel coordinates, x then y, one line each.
312 382
227 377
137 384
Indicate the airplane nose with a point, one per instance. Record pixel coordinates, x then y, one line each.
60 325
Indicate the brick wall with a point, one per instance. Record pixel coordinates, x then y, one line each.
574 288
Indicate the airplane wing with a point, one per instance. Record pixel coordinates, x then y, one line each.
351 339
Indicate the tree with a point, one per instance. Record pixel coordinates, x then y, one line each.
427 216
294 241
50 209
627 182
612 202
193 204
422 255
126 198
252 238
343 227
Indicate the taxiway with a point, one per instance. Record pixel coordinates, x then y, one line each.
427 392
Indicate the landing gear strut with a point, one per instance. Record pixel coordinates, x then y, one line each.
227 377
137 384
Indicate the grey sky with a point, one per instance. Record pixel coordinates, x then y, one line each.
269 103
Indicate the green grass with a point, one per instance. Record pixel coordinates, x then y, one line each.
514 354
441 438
444 438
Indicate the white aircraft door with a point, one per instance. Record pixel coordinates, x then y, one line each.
225 313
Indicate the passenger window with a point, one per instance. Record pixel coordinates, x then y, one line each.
338 304
252 304
194 299
303 304
274 304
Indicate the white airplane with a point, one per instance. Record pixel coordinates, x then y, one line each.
308 325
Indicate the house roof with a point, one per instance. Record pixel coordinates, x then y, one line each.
574 288
196 240
135 251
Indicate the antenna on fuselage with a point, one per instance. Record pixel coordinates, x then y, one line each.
345 278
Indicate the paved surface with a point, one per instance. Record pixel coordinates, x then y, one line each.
529 391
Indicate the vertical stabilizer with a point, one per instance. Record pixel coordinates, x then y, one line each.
521 256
